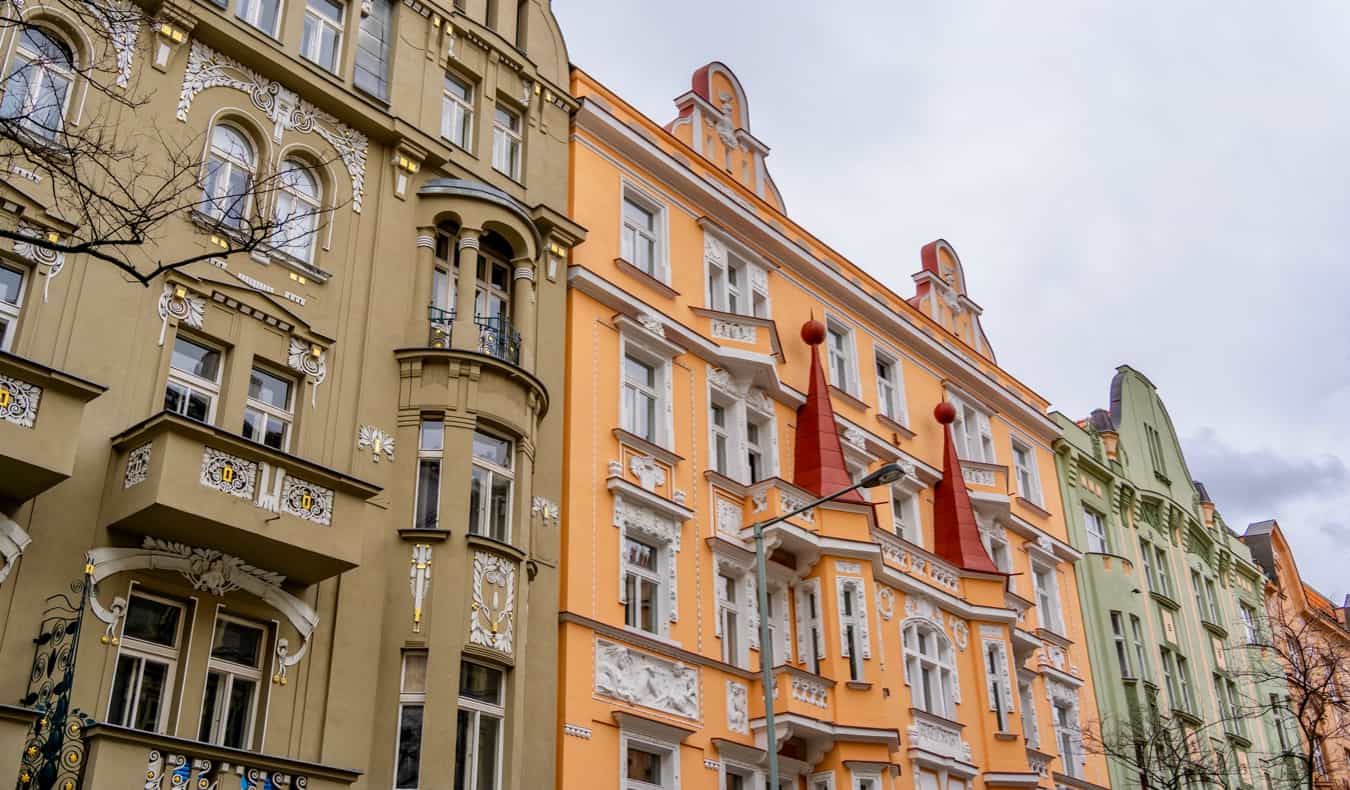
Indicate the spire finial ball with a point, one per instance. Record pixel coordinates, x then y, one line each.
945 413
813 332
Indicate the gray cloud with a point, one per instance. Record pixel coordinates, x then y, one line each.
1260 481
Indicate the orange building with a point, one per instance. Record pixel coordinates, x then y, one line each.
925 634
1306 628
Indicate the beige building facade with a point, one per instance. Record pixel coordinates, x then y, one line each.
289 518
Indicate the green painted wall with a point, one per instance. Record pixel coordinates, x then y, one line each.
1145 496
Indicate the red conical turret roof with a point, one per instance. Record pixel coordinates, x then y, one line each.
819 456
956 536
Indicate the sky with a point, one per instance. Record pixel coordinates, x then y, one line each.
1163 185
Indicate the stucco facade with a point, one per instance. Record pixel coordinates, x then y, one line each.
1168 591
359 587
927 636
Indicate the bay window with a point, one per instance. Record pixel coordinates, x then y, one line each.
721 439
412 700
929 669
972 433
430 450
1095 524
905 515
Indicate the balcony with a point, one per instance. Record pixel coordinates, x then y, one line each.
40 413
120 757
496 336
982 478
179 480
440 323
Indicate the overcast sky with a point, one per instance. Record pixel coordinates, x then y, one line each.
1163 185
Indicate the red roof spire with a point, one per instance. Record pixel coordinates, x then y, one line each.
819 466
956 536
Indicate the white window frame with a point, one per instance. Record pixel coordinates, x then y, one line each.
820 781
891 393
458 110
1030 727
998 682
668 752
1066 736
1140 651
905 514
1094 524
929 674
285 416
858 649
320 23
1121 642
43 72
995 540
751 778
479 710
9 313
193 383
662 364
972 431
254 11
637 393
493 472
656 577
213 202
232 672
508 145
630 235
730 621
1170 676
780 627
408 698
871 776
426 453
845 357
810 628
149 651
295 206
1250 627
1047 596
721 442
1027 471
761 447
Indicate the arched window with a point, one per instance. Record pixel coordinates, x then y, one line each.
297 210
929 668
230 167
38 87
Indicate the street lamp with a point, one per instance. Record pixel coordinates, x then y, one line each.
884 475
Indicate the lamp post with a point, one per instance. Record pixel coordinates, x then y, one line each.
884 475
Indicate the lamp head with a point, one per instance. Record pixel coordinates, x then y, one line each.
884 475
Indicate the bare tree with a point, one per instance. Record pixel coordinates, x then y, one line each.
1164 752
116 188
1294 652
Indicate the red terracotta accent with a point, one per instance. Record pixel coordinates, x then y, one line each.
819 458
956 536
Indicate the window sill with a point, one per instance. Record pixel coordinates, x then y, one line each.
858 685
661 638
1214 628
896 426
1165 600
1033 507
424 535
1238 739
645 278
849 398
1006 736
650 448
1188 717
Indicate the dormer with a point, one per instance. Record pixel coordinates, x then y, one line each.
940 292
714 120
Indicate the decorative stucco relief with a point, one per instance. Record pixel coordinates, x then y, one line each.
642 679
492 622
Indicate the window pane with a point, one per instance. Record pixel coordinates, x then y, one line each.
506 119
236 642
478 483
488 727
269 389
647 606
414 673
331 10
154 685
644 766
500 512
639 372
409 746
639 554
427 514
128 667
151 621
11 282
198 407
240 713
456 88
194 359
463 729
637 215
480 683
491 449
210 705
433 435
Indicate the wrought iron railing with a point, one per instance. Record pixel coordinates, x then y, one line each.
440 322
497 338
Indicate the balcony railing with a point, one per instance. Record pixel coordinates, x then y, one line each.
440 322
497 338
